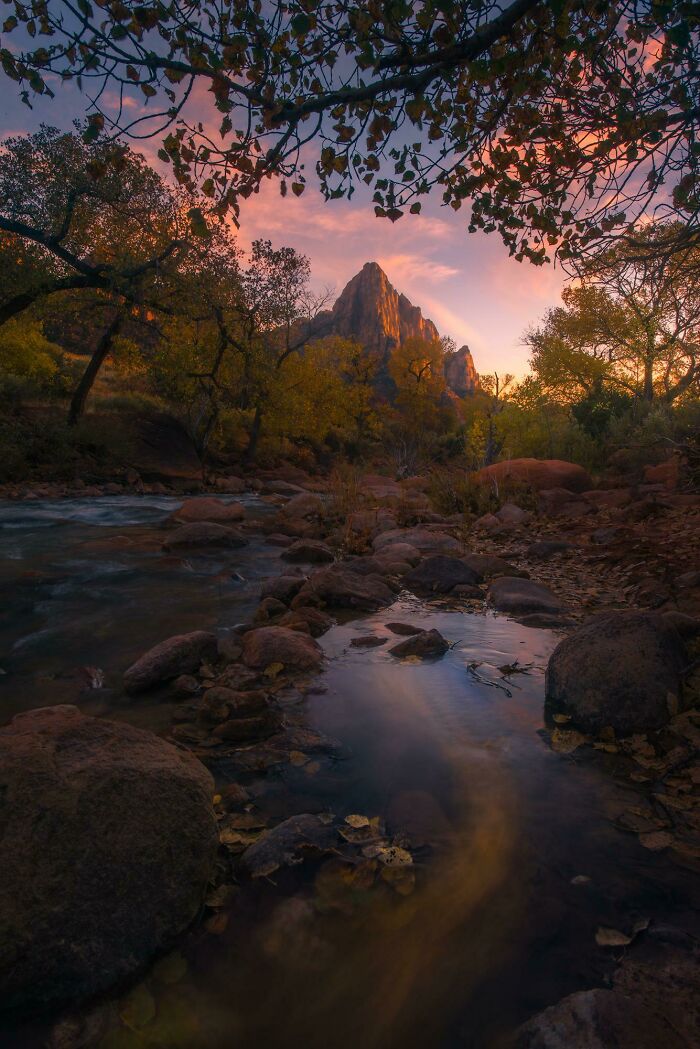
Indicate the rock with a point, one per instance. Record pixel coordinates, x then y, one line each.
512 515
516 595
460 372
621 669
426 644
404 628
177 655
204 534
232 485
283 587
242 730
208 509
286 844
367 641
304 505
546 621
108 843
611 498
424 540
439 575
536 474
688 580
397 552
667 474
489 523
276 644
688 627
488 566
465 591
308 551
338 587
307 620
546 549
599 1019
560 502
371 521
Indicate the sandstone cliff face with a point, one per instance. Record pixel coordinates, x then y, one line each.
371 311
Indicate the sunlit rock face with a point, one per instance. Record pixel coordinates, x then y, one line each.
371 311
460 373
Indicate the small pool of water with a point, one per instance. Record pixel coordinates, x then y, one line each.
517 859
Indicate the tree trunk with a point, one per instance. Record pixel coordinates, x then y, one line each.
254 436
648 379
80 395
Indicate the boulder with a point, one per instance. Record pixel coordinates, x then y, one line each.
513 516
177 655
304 505
536 474
308 551
397 552
108 842
283 587
546 549
488 566
521 596
277 644
203 534
338 587
439 575
424 540
426 644
599 1019
560 502
208 509
621 669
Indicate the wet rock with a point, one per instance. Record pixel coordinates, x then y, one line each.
367 641
440 574
204 534
339 587
308 551
208 509
546 549
308 620
547 621
243 730
268 645
521 596
178 655
229 648
688 580
268 609
221 703
426 645
621 669
599 1019
407 629
287 844
108 843
283 588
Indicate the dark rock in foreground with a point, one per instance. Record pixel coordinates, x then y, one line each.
108 842
621 669
177 655
426 645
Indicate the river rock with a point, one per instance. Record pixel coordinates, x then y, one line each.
277 644
307 620
426 644
108 842
521 596
339 587
488 566
177 655
599 1019
203 534
308 551
287 844
440 575
619 668
283 587
208 509
304 505
405 629
424 540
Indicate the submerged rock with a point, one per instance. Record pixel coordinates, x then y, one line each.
621 669
287 843
178 655
108 841
521 596
426 645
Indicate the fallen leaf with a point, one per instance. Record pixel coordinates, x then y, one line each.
273 670
394 856
605 937
357 821
297 758
566 741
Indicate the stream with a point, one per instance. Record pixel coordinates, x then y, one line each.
518 861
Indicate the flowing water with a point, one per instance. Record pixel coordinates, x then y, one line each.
517 859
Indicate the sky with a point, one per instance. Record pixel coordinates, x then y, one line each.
466 283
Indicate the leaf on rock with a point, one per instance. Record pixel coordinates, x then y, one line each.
606 937
357 821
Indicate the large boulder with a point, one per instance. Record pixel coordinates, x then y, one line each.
621 669
536 474
440 575
177 655
277 644
207 508
200 534
308 551
107 842
302 506
519 596
339 587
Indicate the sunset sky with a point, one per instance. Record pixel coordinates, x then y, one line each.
465 283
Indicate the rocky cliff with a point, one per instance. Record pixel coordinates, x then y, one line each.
370 310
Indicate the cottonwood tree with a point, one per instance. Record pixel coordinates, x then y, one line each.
558 122
631 324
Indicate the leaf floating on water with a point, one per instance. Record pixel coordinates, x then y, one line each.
394 856
273 670
605 937
561 719
357 821
656 840
566 741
